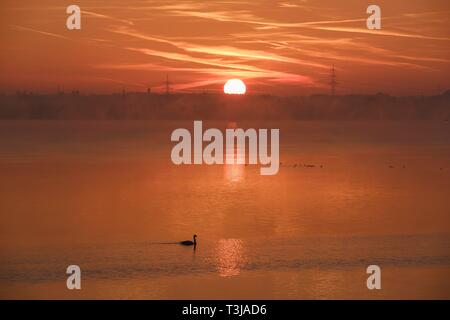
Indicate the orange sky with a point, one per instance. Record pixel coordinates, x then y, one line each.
279 47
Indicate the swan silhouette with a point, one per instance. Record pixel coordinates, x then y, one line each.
189 242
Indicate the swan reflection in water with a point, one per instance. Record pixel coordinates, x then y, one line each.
230 257
190 243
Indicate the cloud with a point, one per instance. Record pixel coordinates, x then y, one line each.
104 16
249 54
381 33
45 33
282 41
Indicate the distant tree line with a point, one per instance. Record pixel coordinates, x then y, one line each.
204 106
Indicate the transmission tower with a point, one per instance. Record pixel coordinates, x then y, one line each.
333 81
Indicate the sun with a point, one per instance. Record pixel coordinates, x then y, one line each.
234 86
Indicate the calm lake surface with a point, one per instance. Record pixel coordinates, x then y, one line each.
106 196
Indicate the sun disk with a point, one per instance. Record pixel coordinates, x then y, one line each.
234 86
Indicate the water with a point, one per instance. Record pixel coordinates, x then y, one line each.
105 196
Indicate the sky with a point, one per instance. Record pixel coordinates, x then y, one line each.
284 47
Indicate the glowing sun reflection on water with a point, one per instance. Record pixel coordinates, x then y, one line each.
230 257
234 172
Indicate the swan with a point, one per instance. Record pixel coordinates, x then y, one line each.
189 242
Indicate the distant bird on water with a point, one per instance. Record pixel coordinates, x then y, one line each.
189 242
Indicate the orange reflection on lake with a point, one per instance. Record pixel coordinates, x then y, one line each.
230 257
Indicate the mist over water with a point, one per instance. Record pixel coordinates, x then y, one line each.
106 196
